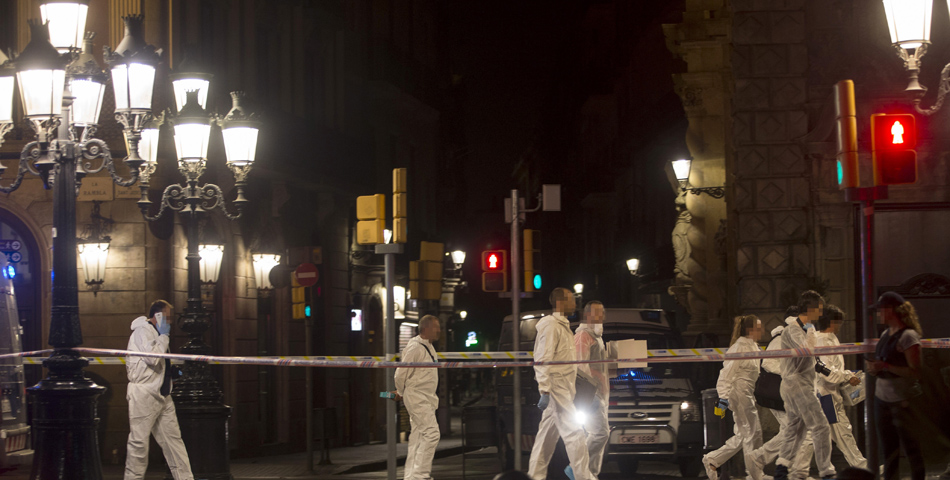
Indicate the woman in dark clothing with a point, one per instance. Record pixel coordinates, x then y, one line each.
897 370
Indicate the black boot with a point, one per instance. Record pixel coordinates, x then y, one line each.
781 472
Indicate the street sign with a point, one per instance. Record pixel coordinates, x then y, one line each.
10 245
307 274
15 257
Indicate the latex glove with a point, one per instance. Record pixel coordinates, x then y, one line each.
809 326
723 403
854 381
164 328
543 402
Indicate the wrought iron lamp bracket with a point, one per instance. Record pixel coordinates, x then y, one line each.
714 192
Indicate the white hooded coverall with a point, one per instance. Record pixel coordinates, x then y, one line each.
555 342
417 387
801 404
840 431
737 385
770 449
149 410
589 345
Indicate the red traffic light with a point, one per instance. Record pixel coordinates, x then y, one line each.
494 260
893 139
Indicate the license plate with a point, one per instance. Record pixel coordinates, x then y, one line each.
639 439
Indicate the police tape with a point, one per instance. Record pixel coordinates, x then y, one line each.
501 359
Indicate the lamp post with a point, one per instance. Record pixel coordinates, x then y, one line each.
201 411
633 266
908 22
681 168
57 101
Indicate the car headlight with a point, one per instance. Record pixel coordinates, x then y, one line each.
580 417
690 412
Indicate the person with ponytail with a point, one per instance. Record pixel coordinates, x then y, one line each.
896 368
736 388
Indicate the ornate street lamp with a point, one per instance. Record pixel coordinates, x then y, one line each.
199 401
67 22
190 78
87 82
578 288
7 80
681 168
64 415
909 23
93 249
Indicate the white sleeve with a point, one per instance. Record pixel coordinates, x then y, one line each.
835 363
543 353
144 344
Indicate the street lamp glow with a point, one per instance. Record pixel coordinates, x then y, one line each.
7 75
87 83
239 129
578 288
681 168
133 68
67 22
909 22
41 73
458 258
633 265
463 314
192 131
387 235
263 263
93 257
210 263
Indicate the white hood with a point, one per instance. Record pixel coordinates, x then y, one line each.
139 323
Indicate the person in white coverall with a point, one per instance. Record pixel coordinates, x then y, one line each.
151 409
416 387
589 345
828 325
555 342
798 391
736 386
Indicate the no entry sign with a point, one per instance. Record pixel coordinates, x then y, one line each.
307 274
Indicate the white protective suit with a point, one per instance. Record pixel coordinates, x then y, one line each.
801 404
149 410
840 431
555 342
417 387
770 449
737 385
589 345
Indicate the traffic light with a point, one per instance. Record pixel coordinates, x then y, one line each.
495 271
893 139
298 296
847 163
532 260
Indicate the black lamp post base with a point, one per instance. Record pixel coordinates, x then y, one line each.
65 420
204 429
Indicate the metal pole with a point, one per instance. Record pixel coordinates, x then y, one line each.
515 326
866 219
389 332
308 347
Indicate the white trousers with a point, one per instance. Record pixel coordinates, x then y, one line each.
805 415
770 449
842 437
598 433
558 420
162 423
748 434
422 441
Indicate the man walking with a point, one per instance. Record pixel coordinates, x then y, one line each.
417 386
802 409
555 342
589 345
151 409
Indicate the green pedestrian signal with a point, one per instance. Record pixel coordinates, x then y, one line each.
537 281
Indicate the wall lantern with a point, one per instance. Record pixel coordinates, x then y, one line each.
458 258
263 263
94 249
633 265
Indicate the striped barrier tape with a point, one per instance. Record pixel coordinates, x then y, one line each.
504 359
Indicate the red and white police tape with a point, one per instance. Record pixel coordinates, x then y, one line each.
500 359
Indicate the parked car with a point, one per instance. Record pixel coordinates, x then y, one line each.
654 413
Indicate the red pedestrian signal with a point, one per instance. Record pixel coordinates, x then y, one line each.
495 271
893 140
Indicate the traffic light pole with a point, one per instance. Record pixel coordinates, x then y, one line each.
865 197
389 251
515 326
